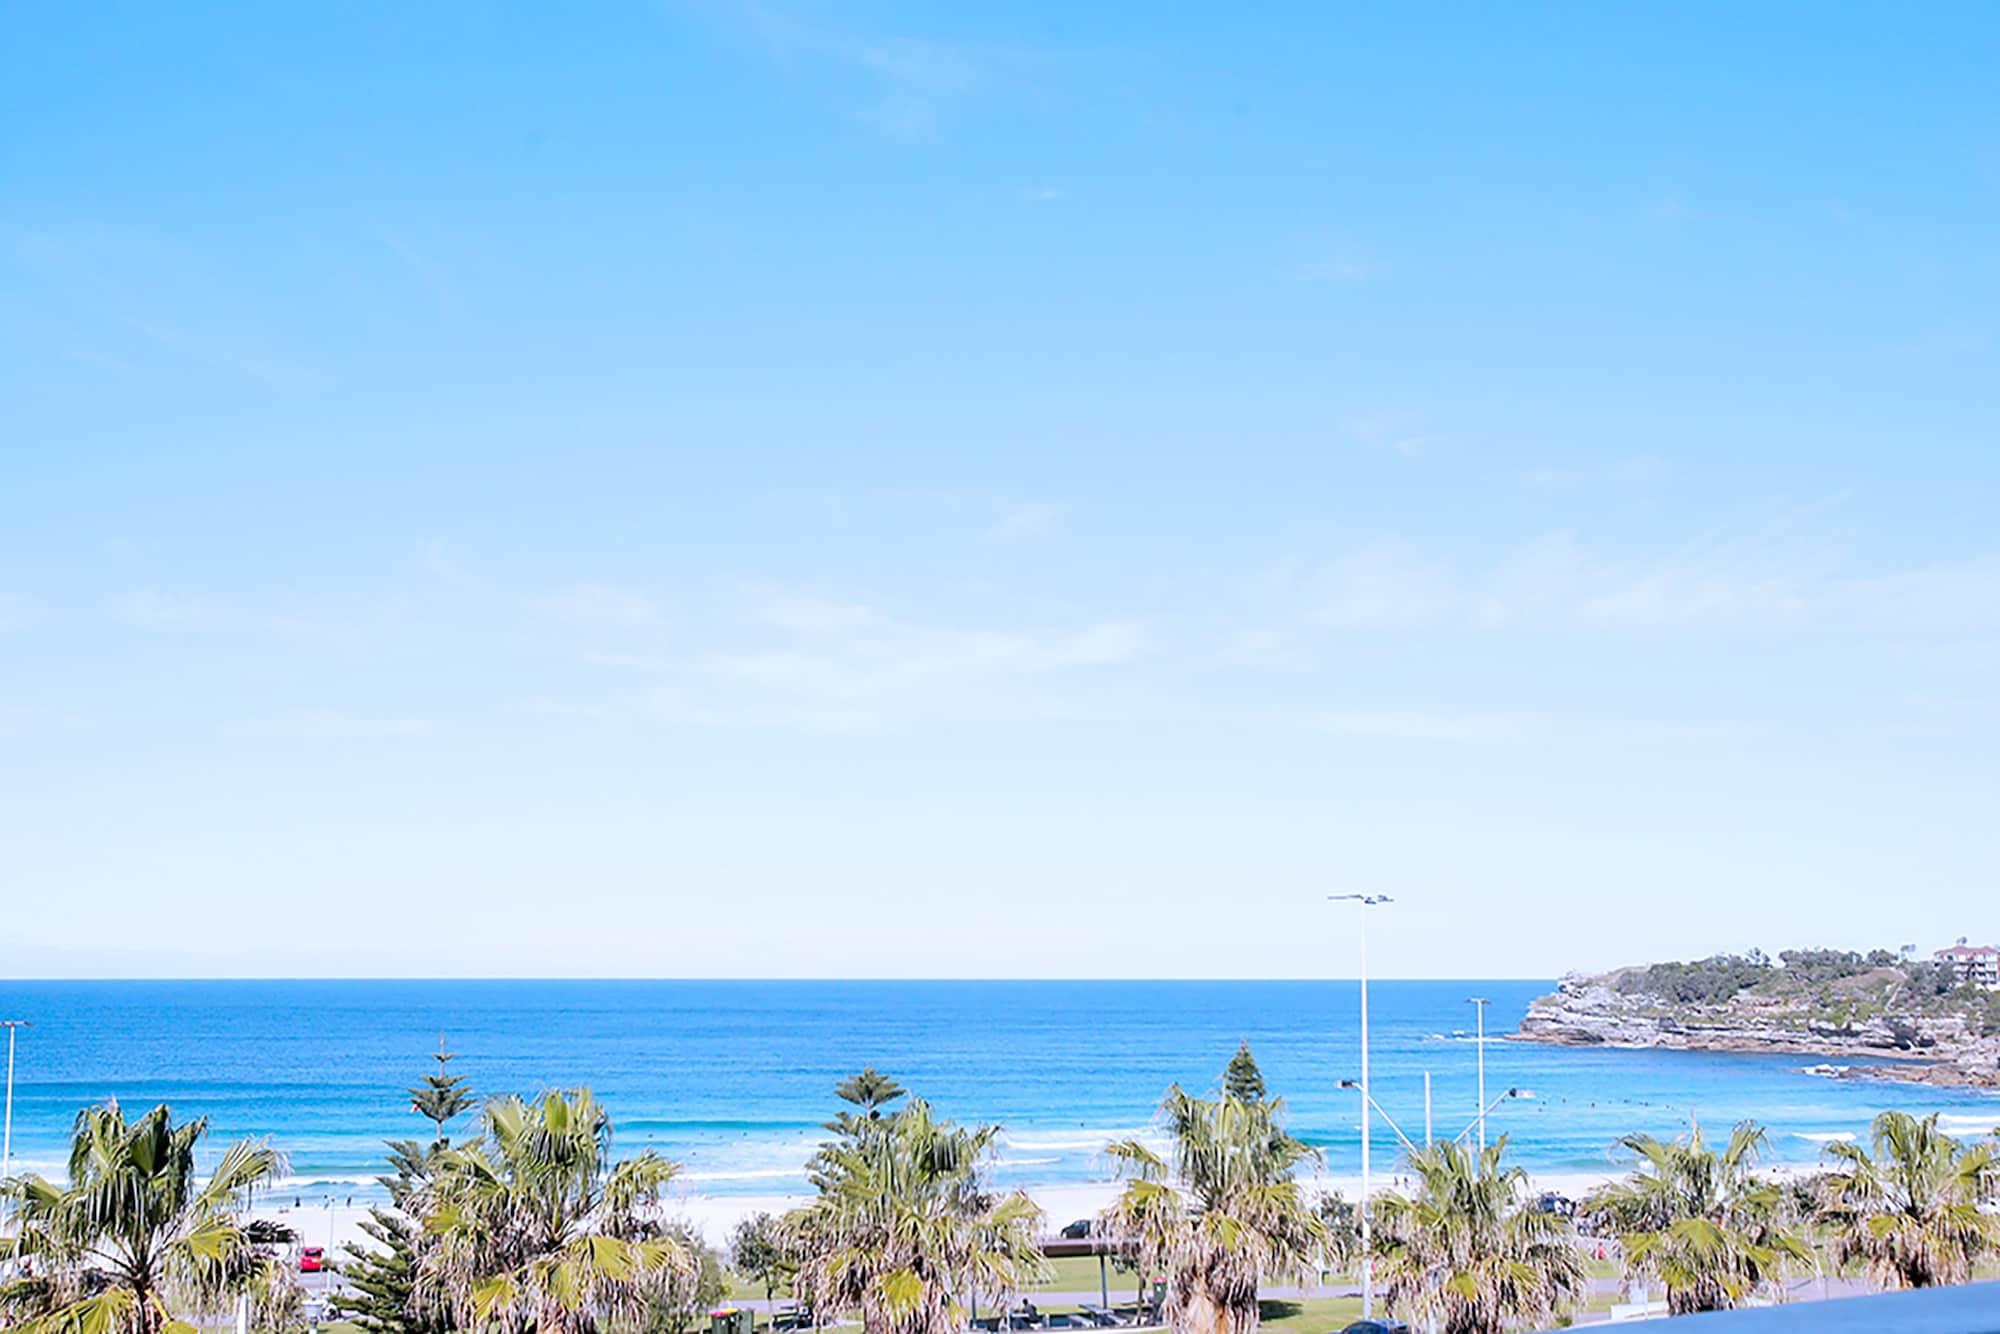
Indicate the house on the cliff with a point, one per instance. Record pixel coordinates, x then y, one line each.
1972 963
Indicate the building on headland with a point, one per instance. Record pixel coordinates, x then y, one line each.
1972 963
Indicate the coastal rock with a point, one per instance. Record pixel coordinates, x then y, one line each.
1614 1010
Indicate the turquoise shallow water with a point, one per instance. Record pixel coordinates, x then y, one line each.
733 1078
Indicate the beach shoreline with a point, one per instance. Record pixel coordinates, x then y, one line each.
713 1217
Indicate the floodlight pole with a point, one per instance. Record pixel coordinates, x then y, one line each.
7 1135
1479 1003
1366 901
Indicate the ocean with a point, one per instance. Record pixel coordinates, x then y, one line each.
733 1078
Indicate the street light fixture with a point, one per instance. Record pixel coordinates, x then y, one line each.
1382 1112
1479 1122
1367 1257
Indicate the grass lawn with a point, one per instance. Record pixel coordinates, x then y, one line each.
1314 1315
1078 1273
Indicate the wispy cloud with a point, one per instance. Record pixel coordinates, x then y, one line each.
605 605
1421 725
909 84
333 725
1393 434
1027 519
881 658
1634 469
800 658
1718 585
132 302
1340 263
149 609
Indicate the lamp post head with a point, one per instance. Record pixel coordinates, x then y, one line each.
1366 900
1349 1084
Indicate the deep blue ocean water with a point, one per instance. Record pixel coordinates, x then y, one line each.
733 1078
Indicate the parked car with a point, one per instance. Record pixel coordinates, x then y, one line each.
1078 1230
1383 1326
312 1259
1556 1204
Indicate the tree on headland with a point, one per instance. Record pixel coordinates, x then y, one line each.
1224 1215
1243 1079
1910 1209
1464 1255
136 1234
1699 1220
532 1226
904 1224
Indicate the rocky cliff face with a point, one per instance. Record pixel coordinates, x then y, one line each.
1595 1011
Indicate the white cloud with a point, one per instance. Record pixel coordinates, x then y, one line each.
1340 263
1392 434
594 604
880 658
1027 519
331 725
1424 725
808 614
1381 586
152 610
1432 726
1715 586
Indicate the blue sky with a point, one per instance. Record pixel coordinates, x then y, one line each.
1041 489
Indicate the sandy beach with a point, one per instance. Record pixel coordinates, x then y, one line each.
713 1217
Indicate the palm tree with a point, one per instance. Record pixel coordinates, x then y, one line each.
532 1226
1700 1220
904 1226
1910 1209
1464 1255
135 1233
1228 1214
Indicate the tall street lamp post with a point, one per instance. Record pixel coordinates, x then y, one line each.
1479 1003
1366 901
7 1135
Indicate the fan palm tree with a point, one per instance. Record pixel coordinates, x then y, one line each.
135 1234
532 1226
1464 1255
1700 1220
1910 1209
1224 1216
904 1226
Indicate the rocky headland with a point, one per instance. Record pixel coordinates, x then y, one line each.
1872 1016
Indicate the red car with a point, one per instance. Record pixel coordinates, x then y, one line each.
312 1259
